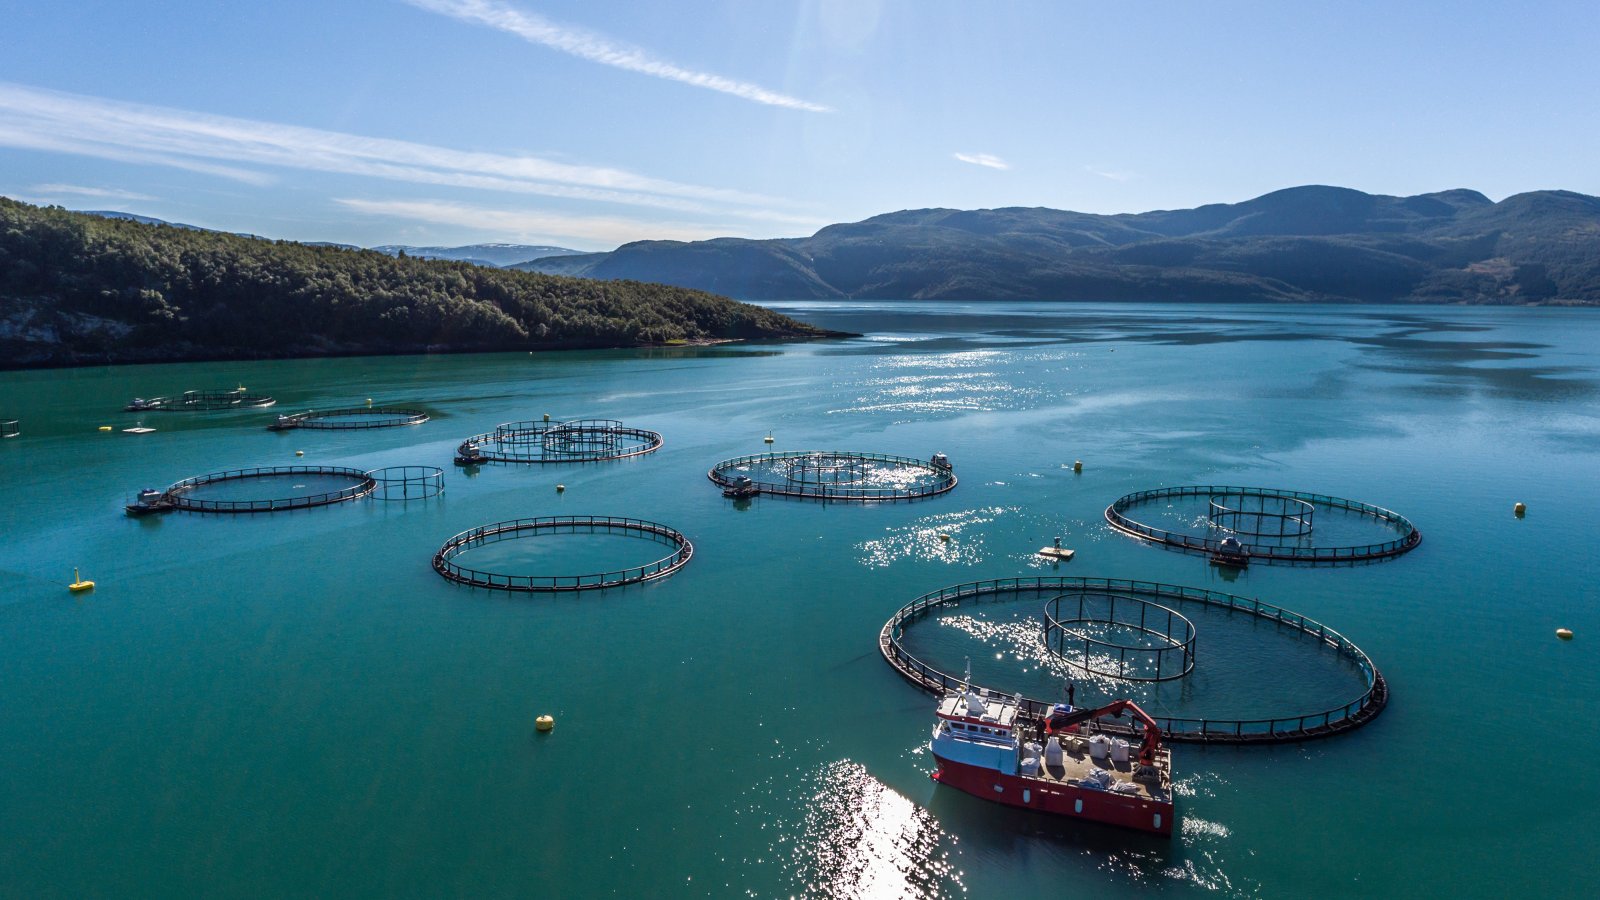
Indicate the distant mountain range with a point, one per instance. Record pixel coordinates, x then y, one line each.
1301 244
498 255
491 255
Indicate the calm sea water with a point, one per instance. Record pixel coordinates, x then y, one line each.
295 704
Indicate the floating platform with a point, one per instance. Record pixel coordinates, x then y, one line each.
444 561
1060 553
1266 525
201 401
836 475
352 419
137 429
1291 728
577 441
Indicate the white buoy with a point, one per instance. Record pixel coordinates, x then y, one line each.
545 723
1077 465
299 453
1521 509
561 488
1564 633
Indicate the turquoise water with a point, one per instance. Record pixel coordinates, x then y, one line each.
296 704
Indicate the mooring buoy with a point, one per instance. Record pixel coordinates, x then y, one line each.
561 488
1521 509
1564 633
79 584
1077 465
299 453
545 723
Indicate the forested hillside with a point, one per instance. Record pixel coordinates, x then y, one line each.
79 288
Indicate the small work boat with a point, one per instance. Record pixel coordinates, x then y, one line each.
150 501
993 747
742 488
469 455
1230 553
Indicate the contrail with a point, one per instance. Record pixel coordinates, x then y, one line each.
536 29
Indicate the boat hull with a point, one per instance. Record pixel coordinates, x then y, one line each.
1106 807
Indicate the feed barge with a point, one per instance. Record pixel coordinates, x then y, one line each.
989 747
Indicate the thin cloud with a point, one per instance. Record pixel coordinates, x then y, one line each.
584 44
37 119
543 226
987 160
1109 174
34 136
79 190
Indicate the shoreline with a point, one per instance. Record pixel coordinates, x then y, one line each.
10 363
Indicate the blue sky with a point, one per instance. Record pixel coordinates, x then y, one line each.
590 124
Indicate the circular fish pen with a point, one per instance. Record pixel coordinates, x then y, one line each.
1263 524
1291 727
407 482
354 419
242 490
202 401
1120 636
582 440
835 475
445 560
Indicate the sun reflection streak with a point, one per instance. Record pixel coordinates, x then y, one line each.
861 839
951 538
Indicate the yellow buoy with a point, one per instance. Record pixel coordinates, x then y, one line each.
1564 633
560 488
545 723
1077 465
79 585
105 427
299 453
1520 509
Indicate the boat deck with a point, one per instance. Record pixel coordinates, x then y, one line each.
1076 764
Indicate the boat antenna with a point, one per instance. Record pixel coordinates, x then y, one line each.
966 683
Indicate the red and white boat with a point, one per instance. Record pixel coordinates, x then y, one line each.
988 746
